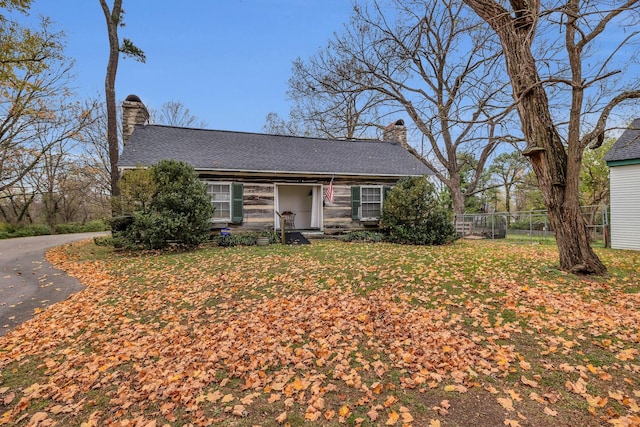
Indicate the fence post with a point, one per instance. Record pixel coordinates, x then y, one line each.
606 237
493 225
531 226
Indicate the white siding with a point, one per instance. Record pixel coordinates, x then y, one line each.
625 207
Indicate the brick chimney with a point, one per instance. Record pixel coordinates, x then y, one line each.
396 132
133 113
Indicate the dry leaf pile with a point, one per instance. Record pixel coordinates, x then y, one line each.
330 333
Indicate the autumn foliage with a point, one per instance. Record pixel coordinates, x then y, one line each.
332 333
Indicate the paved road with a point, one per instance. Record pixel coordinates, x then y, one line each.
28 281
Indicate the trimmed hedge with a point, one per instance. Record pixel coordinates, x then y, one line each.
8 231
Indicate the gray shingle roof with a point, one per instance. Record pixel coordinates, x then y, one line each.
627 147
217 150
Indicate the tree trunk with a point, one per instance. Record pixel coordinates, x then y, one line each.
555 170
507 203
457 198
113 20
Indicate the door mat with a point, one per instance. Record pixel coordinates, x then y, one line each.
295 238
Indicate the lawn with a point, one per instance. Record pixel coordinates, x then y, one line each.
477 333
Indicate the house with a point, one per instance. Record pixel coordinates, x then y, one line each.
252 178
623 160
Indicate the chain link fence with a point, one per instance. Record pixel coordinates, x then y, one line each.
532 225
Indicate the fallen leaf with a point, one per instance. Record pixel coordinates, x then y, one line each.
282 418
392 418
344 411
506 403
37 417
373 414
8 399
529 382
239 411
329 414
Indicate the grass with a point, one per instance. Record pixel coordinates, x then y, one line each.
332 333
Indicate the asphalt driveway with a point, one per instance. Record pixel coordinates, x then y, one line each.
28 281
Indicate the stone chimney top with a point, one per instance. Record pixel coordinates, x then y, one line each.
133 113
396 132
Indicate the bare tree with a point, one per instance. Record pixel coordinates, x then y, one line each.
330 99
114 19
509 168
35 113
556 143
436 63
174 113
94 149
275 125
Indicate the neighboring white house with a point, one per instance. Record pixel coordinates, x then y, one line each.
624 180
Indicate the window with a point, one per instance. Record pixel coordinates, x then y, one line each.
221 200
227 200
366 202
370 202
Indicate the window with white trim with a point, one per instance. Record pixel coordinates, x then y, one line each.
220 194
370 202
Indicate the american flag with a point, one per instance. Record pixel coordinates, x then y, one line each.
329 193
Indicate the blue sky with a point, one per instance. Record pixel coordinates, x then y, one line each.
228 61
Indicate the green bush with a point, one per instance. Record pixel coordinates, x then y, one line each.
178 212
94 226
8 231
30 230
363 236
412 214
246 238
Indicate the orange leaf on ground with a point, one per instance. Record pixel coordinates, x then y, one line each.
392 419
239 411
281 418
373 414
329 414
274 397
390 401
506 403
312 414
344 411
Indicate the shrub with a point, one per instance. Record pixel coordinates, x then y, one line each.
246 238
31 230
8 231
413 214
178 212
94 226
363 236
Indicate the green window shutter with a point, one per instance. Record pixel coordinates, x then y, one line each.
385 190
237 203
355 202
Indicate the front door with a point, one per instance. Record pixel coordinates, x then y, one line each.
301 204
